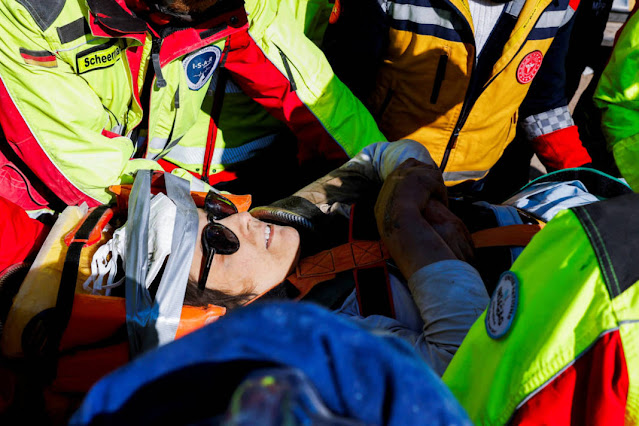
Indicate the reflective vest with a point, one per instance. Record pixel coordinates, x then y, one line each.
559 341
72 74
430 87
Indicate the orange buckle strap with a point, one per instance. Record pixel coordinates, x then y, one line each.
327 264
510 235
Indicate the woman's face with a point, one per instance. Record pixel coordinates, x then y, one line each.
266 255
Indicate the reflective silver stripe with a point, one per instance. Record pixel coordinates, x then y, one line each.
195 155
421 15
547 122
170 146
187 154
551 19
457 176
119 129
161 144
158 143
569 14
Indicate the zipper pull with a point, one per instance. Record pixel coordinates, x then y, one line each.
155 58
453 139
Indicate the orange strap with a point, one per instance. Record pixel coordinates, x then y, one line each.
326 265
509 235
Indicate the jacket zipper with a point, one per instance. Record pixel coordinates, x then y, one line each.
216 112
465 109
463 115
288 69
216 109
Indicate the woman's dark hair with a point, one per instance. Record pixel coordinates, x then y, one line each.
196 297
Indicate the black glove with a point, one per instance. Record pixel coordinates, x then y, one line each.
318 231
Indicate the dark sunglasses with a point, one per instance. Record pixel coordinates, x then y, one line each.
216 238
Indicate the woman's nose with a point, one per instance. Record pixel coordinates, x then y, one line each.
247 221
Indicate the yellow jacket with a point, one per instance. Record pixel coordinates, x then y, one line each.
429 86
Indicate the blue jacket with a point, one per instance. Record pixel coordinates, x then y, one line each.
359 375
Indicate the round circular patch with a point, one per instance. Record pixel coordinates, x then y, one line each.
199 66
529 66
337 9
503 305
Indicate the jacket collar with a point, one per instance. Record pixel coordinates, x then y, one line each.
113 16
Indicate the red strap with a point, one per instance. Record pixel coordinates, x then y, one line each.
96 232
561 149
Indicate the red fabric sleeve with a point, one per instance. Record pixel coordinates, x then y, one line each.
591 391
19 234
561 149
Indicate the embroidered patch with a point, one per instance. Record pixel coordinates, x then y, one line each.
503 305
529 66
337 9
102 56
42 58
199 66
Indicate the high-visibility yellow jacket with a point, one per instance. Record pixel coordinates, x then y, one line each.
430 87
73 71
617 95
559 341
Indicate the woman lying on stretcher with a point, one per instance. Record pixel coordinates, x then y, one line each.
432 298
241 256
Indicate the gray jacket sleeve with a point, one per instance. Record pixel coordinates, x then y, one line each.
450 296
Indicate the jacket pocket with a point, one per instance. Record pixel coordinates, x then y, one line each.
17 188
287 68
439 78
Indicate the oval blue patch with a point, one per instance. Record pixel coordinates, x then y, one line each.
503 306
199 66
